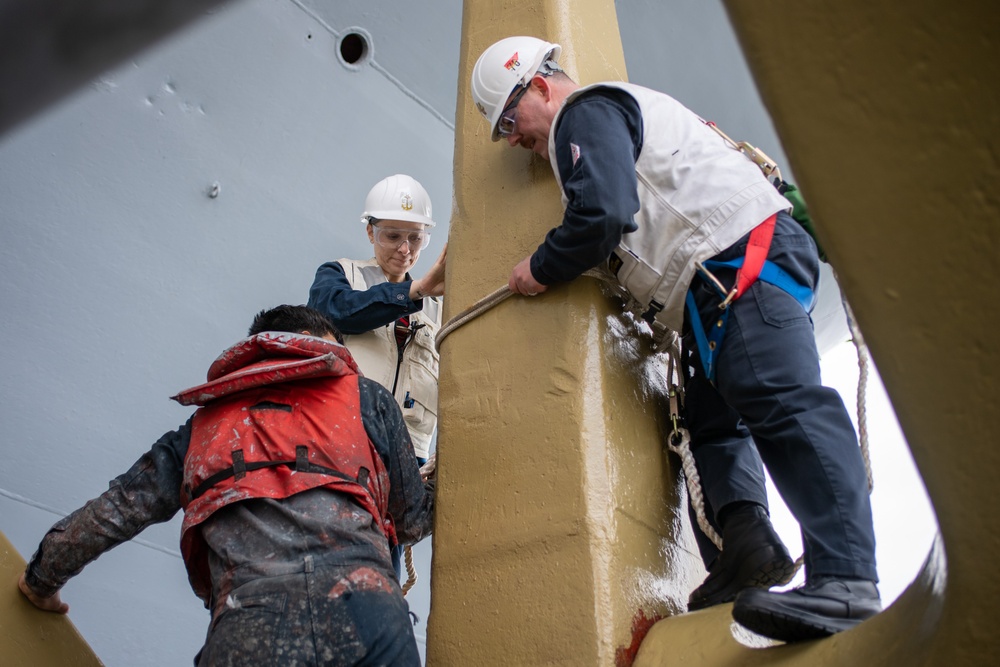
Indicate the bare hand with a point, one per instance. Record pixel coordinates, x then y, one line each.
522 282
52 603
433 283
429 469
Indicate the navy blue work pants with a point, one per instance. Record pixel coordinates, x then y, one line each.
769 405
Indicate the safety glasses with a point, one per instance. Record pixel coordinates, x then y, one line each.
390 237
508 117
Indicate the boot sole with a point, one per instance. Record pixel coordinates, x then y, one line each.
790 626
775 569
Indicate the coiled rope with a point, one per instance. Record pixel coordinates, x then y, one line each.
679 441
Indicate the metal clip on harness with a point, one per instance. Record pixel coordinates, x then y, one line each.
757 156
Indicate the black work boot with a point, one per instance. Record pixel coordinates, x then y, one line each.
824 606
753 556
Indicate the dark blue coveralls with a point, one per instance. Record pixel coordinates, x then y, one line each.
302 581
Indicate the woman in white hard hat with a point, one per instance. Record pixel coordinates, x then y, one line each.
388 319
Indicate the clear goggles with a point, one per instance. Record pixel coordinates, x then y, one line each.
390 237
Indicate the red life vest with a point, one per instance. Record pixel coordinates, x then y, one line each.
281 414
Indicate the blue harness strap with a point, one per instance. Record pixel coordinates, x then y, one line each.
775 275
709 342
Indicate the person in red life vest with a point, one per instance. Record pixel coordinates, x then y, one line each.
296 476
656 196
389 319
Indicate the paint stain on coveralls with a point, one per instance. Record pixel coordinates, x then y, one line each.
361 579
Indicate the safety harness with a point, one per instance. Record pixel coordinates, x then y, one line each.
753 266
750 268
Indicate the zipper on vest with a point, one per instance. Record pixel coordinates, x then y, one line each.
401 348
399 364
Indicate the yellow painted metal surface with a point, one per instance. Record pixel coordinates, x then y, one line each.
558 525
30 637
889 115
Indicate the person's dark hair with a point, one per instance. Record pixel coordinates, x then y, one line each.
295 319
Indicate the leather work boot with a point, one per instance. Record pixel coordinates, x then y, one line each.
753 556
822 607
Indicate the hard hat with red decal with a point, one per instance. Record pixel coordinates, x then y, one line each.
398 197
509 63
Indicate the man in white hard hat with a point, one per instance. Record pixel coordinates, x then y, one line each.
688 224
389 320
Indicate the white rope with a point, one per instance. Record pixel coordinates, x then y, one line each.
426 470
411 572
679 442
864 360
682 448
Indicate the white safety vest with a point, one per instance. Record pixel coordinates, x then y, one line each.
697 197
416 376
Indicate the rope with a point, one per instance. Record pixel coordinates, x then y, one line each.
682 448
679 442
411 572
864 360
471 313
494 299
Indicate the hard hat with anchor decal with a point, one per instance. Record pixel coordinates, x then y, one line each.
398 197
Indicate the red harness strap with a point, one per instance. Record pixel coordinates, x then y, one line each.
756 255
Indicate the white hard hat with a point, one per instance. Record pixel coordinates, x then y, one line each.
398 197
508 63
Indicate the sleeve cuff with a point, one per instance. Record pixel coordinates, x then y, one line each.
537 272
36 584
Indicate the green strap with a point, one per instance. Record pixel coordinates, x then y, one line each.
800 212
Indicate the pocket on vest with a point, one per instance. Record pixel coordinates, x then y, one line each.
422 352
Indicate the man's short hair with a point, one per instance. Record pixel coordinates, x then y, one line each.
295 319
